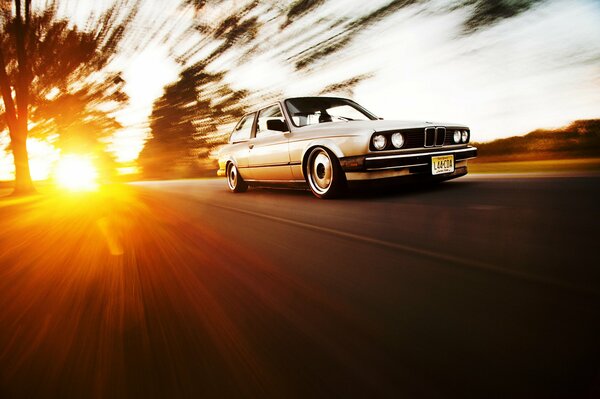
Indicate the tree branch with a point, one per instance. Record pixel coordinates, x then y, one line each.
22 89
9 104
27 12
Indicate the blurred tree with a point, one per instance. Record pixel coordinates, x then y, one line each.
304 35
184 123
59 79
487 12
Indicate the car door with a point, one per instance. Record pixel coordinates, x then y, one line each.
269 158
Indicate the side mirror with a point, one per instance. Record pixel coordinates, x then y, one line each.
277 125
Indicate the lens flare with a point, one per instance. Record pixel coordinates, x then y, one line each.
76 173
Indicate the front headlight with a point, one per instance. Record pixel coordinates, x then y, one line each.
379 142
397 140
457 135
465 136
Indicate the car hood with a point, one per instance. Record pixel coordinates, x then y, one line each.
351 127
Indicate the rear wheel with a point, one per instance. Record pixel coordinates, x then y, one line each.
235 181
324 174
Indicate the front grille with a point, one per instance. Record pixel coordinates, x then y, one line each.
429 136
413 138
449 137
440 135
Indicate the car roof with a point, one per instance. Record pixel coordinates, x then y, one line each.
282 100
317 103
315 97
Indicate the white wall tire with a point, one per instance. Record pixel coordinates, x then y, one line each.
324 175
235 181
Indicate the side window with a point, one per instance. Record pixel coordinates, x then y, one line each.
243 129
267 114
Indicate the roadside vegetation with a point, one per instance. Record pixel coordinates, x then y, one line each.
575 147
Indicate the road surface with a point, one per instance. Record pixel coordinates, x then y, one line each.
478 287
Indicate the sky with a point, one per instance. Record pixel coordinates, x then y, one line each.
539 69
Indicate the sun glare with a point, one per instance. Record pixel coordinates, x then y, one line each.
76 173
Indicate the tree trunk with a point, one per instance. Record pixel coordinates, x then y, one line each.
18 137
23 183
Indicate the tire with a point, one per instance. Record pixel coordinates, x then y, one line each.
235 181
324 174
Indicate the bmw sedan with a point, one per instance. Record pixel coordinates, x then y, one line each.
326 143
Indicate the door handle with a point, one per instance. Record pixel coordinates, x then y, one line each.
251 146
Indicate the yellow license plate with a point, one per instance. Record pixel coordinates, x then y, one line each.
442 164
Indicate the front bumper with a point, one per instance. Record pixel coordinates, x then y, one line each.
381 166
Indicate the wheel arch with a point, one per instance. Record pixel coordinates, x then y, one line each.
228 160
329 145
223 162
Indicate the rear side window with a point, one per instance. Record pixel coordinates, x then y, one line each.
243 129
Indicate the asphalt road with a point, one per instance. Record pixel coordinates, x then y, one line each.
483 287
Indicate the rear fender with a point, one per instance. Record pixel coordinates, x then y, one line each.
223 164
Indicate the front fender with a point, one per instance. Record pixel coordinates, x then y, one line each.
327 143
341 147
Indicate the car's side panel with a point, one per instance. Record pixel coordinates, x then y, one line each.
240 152
269 158
238 155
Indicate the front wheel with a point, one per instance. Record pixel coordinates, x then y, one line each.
324 174
235 182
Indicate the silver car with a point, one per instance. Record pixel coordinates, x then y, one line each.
329 142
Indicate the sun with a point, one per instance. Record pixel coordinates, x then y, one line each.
76 173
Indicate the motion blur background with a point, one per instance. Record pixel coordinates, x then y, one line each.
485 286
152 87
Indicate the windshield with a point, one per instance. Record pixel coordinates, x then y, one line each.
312 110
